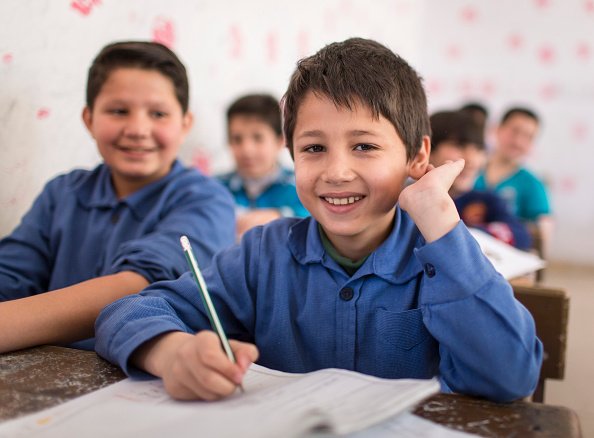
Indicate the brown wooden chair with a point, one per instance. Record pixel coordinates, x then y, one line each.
549 308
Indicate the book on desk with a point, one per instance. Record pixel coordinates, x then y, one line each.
274 404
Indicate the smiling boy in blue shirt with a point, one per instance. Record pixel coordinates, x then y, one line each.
382 280
93 236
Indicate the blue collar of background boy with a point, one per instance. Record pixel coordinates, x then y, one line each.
98 191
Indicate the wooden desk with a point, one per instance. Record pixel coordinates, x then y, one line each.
38 378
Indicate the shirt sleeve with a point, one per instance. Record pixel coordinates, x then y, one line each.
25 254
206 216
167 306
488 344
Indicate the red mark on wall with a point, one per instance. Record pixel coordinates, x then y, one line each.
546 54
549 91
43 113
567 184
84 6
468 14
515 41
302 44
7 58
589 6
164 32
434 86
579 131
453 51
272 47
583 51
201 161
488 88
236 42
541 4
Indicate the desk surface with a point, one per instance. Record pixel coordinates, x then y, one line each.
38 378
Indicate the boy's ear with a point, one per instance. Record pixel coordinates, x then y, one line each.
417 167
187 122
87 116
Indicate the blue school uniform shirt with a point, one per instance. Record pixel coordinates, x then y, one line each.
525 194
412 310
279 194
78 229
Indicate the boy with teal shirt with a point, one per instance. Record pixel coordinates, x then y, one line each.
263 189
382 280
93 236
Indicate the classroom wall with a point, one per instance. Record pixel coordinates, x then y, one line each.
530 52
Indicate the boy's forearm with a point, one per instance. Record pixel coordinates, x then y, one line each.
64 315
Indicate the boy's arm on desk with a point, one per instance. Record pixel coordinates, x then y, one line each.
64 315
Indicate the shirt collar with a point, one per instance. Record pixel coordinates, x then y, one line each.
98 192
393 260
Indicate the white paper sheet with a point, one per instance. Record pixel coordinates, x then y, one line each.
274 404
507 260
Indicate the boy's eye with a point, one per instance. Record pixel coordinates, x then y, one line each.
158 114
118 111
364 147
314 148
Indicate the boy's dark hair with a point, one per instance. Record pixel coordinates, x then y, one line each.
475 107
455 126
362 71
521 111
262 106
137 54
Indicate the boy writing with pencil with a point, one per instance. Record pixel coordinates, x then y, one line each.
94 236
382 280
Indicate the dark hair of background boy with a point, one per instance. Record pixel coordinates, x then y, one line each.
137 54
455 126
519 111
362 71
262 106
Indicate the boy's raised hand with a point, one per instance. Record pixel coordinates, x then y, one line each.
428 203
195 366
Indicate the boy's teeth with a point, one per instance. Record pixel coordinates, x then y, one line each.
343 201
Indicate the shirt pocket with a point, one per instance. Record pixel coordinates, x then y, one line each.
407 348
404 330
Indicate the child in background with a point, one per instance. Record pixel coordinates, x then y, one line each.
94 236
382 280
455 135
506 175
262 188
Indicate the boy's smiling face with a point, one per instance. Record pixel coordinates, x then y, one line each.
350 169
138 125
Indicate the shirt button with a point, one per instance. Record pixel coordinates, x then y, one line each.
429 270
346 294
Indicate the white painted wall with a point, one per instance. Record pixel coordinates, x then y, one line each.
534 52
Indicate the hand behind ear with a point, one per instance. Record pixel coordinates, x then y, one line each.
427 200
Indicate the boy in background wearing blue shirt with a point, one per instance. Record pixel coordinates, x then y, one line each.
455 135
262 188
94 236
382 280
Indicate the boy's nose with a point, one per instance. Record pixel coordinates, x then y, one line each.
138 125
338 169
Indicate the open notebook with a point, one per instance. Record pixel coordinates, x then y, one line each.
275 404
510 262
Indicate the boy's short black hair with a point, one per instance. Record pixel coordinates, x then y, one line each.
362 71
521 111
475 107
137 54
457 127
263 106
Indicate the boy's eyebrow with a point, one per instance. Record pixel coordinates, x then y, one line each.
319 133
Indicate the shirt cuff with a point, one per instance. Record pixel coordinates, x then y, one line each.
454 267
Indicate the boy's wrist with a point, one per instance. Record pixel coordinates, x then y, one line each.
153 355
